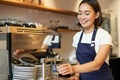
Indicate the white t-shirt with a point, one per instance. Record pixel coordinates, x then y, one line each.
48 40
102 37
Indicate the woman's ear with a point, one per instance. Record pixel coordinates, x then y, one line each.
97 15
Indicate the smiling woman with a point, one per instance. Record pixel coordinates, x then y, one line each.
92 46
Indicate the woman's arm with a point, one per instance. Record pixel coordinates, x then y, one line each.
87 67
96 63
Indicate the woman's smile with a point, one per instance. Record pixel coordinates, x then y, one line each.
84 21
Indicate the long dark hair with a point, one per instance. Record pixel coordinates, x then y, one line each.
96 7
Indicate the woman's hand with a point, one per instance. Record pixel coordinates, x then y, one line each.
65 69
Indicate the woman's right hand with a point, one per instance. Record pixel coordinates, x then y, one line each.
74 78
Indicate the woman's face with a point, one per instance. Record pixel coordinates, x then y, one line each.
86 15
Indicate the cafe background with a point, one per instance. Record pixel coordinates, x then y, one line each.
43 17
109 7
110 10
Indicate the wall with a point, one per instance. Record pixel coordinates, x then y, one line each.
66 50
72 5
113 8
31 15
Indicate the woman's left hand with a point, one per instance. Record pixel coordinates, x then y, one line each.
65 69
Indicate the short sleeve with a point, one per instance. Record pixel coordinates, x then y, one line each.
106 39
47 40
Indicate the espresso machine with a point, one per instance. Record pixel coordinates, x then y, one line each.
14 38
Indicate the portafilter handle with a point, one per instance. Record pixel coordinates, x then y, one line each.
44 61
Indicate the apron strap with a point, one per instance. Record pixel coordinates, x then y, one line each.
53 37
93 36
81 36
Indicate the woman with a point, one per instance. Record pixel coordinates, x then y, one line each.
92 46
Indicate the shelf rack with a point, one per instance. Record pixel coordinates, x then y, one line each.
37 7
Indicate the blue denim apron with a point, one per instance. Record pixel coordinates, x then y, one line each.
85 53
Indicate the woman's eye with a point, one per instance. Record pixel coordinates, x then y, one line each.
87 13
